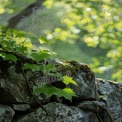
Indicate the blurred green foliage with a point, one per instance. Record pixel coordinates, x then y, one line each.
88 31
99 25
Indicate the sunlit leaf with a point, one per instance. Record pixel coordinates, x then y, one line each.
68 80
67 93
38 56
8 57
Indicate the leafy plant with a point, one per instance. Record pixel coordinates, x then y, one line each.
67 93
16 46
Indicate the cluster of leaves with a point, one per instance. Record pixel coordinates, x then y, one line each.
66 92
16 46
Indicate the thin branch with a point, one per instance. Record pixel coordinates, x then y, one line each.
12 23
33 95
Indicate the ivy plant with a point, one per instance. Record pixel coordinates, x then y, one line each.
16 46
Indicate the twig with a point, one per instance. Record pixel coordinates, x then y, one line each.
33 95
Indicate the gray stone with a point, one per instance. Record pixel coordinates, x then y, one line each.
83 76
14 89
6 113
91 105
112 96
80 73
59 113
21 107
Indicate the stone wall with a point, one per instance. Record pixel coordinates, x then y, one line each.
98 100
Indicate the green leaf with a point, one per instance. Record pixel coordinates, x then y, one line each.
38 56
33 67
68 80
44 68
67 93
21 50
43 40
48 68
48 91
8 57
8 44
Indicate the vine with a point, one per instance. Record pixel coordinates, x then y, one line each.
16 46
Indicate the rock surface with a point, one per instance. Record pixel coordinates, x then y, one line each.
84 77
14 89
98 100
21 107
6 113
59 113
111 93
